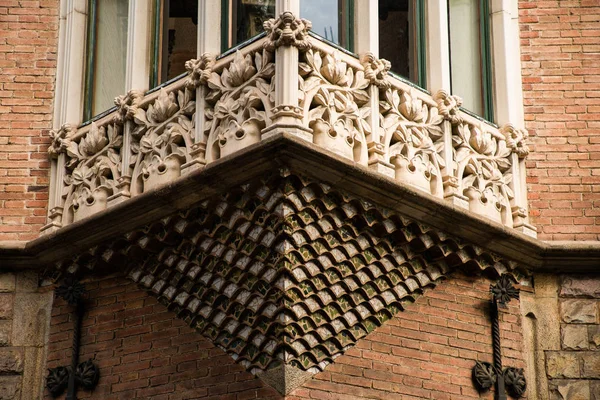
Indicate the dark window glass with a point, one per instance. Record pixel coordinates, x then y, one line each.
176 39
401 40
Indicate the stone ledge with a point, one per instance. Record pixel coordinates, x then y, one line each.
286 150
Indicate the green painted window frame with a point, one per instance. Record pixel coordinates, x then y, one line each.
486 60
156 39
89 60
421 44
348 18
485 49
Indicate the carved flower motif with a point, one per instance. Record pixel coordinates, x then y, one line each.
94 141
516 139
128 105
449 106
287 30
199 70
81 174
60 142
376 69
163 108
239 71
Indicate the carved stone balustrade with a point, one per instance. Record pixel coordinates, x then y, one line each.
348 105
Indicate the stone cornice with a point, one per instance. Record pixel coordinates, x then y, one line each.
308 159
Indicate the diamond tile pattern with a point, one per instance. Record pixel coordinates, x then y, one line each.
286 269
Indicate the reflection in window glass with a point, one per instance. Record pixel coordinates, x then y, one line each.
249 16
178 38
465 53
107 54
328 17
325 17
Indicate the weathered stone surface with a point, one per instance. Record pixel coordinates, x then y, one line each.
11 361
34 374
27 281
579 311
562 364
5 329
10 387
581 287
571 390
594 336
7 282
574 337
595 390
33 310
6 306
591 365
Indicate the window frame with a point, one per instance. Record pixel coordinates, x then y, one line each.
485 59
347 31
418 34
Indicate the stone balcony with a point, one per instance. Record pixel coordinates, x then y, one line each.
234 194
348 105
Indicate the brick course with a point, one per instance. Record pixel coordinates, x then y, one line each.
426 351
145 352
28 46
561 89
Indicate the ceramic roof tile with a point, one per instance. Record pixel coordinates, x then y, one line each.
287 269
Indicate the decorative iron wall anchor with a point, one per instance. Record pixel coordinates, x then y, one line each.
485 375
83 374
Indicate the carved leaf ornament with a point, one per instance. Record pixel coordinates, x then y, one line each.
335 103
336 94
413 138
240 100
162 139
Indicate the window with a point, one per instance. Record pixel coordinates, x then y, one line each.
243 19
470 54
175 38
106 54
402 37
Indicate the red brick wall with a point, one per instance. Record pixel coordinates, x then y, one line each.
145 352
560 46
426 352
28 46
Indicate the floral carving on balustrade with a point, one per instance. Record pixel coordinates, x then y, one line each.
161 139
60 140
127 105
516 139
287 30
199 70
376 70
484 170
413 139
92 171
239 103
449 106
335 104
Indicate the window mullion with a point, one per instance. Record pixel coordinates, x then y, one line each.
366 33
438 45
138 46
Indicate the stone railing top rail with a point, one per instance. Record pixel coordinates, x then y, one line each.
349 105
